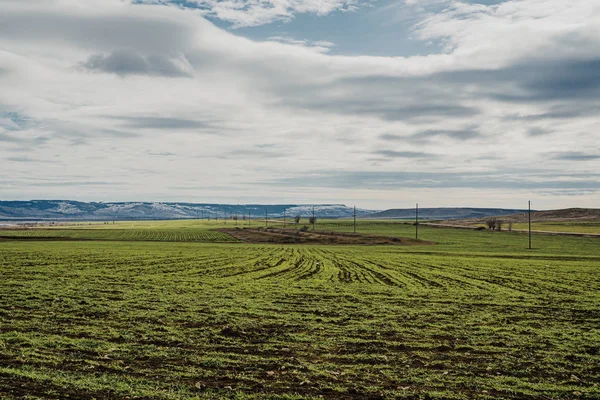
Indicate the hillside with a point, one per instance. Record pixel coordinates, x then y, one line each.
76 210
564 215
443 213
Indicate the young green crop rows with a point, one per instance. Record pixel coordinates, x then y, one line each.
111 320
162 235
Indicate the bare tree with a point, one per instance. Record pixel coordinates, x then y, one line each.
312 220
297 219
510 224
499 224
491 223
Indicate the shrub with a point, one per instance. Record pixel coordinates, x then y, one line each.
491 223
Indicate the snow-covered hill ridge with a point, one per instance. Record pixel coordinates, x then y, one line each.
69 209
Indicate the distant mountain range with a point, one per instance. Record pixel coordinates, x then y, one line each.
443 213
76 210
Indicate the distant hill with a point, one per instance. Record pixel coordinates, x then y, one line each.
564 215
76 210
443 213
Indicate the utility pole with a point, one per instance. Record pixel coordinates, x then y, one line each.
529 214
354 219
417 222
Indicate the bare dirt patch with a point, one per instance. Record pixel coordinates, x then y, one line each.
292 236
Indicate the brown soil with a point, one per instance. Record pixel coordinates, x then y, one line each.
291 236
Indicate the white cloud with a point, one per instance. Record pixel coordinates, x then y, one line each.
243 13
108 86
320 46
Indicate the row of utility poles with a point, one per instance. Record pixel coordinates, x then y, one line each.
417 222
354 219
248 217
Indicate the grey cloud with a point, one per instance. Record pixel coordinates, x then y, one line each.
426 135
99 31
386 110
462 135
76 183
477 180
258 152
78 134
118 133
391 137
163 123
418 112
24 143
576 84
74 133
403 154
412 99
161 154
130 62
26 160
8 124
572 110
532 81
575 156
577 79
569 192
536 131
9 138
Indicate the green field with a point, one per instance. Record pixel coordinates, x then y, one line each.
569 227
165 231
204 231
476 316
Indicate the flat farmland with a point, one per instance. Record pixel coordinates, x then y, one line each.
475 316
162 231
568 227
160 235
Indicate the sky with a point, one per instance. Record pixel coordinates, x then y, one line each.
380 104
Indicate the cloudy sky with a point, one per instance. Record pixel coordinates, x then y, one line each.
374 103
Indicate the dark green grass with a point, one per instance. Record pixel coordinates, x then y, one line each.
476 316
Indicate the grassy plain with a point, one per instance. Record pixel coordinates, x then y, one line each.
570 227
476 316
166 231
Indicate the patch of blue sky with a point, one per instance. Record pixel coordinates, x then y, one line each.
360 32
381 28
13 121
